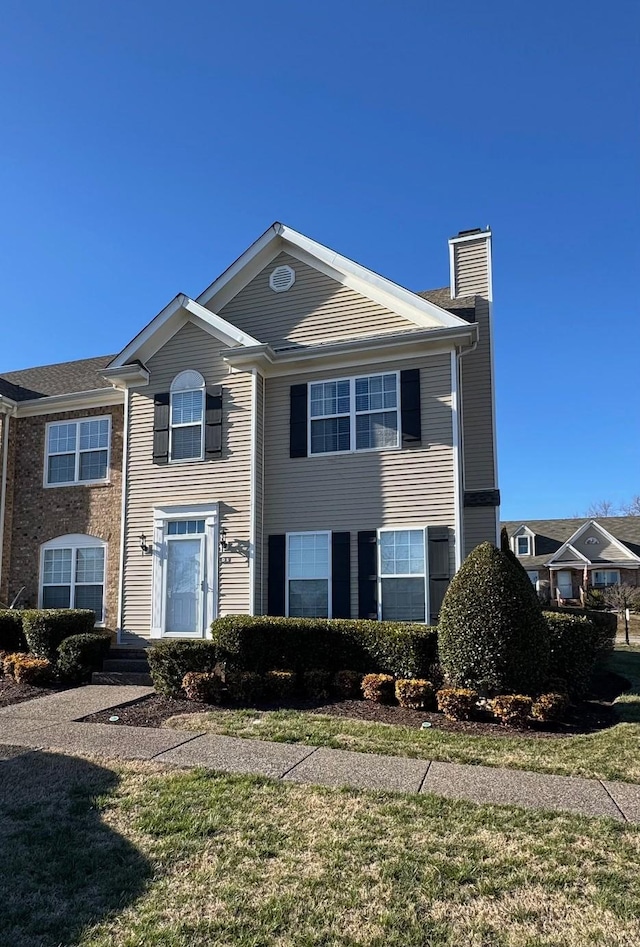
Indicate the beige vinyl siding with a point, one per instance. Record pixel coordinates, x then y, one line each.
479 527
364 490
259 497
226 479
471 267
315 309
604 551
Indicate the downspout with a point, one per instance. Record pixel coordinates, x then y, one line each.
253 477
3 484
456 385
123 513
262 504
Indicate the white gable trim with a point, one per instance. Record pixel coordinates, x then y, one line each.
607 535
578 557
280 238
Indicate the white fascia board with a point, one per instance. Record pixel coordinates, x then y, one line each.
128 376
224 330
265 247
467 238
567 547
525 528
8 405
136 346
76 401
607 535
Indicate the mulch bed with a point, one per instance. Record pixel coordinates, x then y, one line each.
12 693
595 713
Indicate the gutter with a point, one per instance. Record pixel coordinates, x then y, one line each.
7 408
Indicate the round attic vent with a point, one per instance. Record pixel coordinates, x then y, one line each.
282 279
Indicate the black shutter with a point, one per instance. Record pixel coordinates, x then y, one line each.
439 569
298 421
161 428
213 422
275 586
340 575
367 574
410 407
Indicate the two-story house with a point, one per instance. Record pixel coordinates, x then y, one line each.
305 438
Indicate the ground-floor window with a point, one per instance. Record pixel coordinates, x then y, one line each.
601 578
308 572
402 575
533 576
72 574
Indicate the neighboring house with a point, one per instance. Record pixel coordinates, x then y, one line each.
564 558
304 438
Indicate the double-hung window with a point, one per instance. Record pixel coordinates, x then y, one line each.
187 417
72 574
308 571
402 575
523 545
77 452
352 414
601 578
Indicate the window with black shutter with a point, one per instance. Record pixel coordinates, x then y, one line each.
213 422
410 407
341 575
276 582
439 568
161 428
367 574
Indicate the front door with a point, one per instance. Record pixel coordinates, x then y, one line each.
185 579
564 583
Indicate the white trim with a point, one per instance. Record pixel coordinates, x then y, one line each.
3 482
630 556
452 271
291 275
76 482
75 541
202 388
309 532
614 571
531 572
253 491
76 401
399 529
457 473
353 414
516 541
123 512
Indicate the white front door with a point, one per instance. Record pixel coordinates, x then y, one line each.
184 586
564 583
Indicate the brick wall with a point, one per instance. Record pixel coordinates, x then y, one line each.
40 513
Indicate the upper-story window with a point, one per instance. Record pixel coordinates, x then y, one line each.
354 414
187 417
77 451
523 545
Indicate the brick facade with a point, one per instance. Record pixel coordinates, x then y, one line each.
36 514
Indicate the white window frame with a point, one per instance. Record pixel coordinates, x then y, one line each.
353 414
517 542
595 572
410 575
173 390
328 578
77 451
75 541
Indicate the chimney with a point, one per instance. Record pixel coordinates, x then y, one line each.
470 264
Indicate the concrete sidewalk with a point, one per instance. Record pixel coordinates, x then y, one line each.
51 723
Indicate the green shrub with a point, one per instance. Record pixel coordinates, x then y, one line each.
316 683
281 684
11 634
378 688
347 684
457 703
415 693
30 670
79 655
491 634
512 709
575 646
605 625
549 708
595 599
169 661
206 687
46 628
245 687
262 643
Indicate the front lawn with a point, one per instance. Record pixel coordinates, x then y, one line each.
97 855
608 754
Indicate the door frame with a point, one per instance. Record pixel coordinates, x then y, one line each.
209 512
557 583
203 579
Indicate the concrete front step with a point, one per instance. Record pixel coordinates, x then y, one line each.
121 677
134 665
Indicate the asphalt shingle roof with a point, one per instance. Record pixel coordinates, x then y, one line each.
551 534
60 379
462 306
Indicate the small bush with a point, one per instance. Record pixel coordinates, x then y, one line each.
281 684
245 687
206 687
9 659
512 709
348 684
46 628
549 708
378 688
316 683
30 670
11 634
576 644
415 693
169 661
79 655
457 703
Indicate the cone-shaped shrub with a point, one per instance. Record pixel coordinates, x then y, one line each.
491 633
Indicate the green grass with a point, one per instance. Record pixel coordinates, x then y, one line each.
609 754
125 856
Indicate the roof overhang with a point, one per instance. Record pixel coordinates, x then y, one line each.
568 545
7 405
76 401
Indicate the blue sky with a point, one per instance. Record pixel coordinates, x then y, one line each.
145 145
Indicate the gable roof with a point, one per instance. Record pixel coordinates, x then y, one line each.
462 306
551 535
58 379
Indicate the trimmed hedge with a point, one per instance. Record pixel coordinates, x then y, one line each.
511 709
457 703
30 670
416 694
79 655
46 628
263 643
380 688
11 634
575 646
169 661
604 623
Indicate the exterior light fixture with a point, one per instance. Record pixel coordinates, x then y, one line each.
144 546
223 540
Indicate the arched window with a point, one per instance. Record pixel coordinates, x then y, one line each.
72 571
186 417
